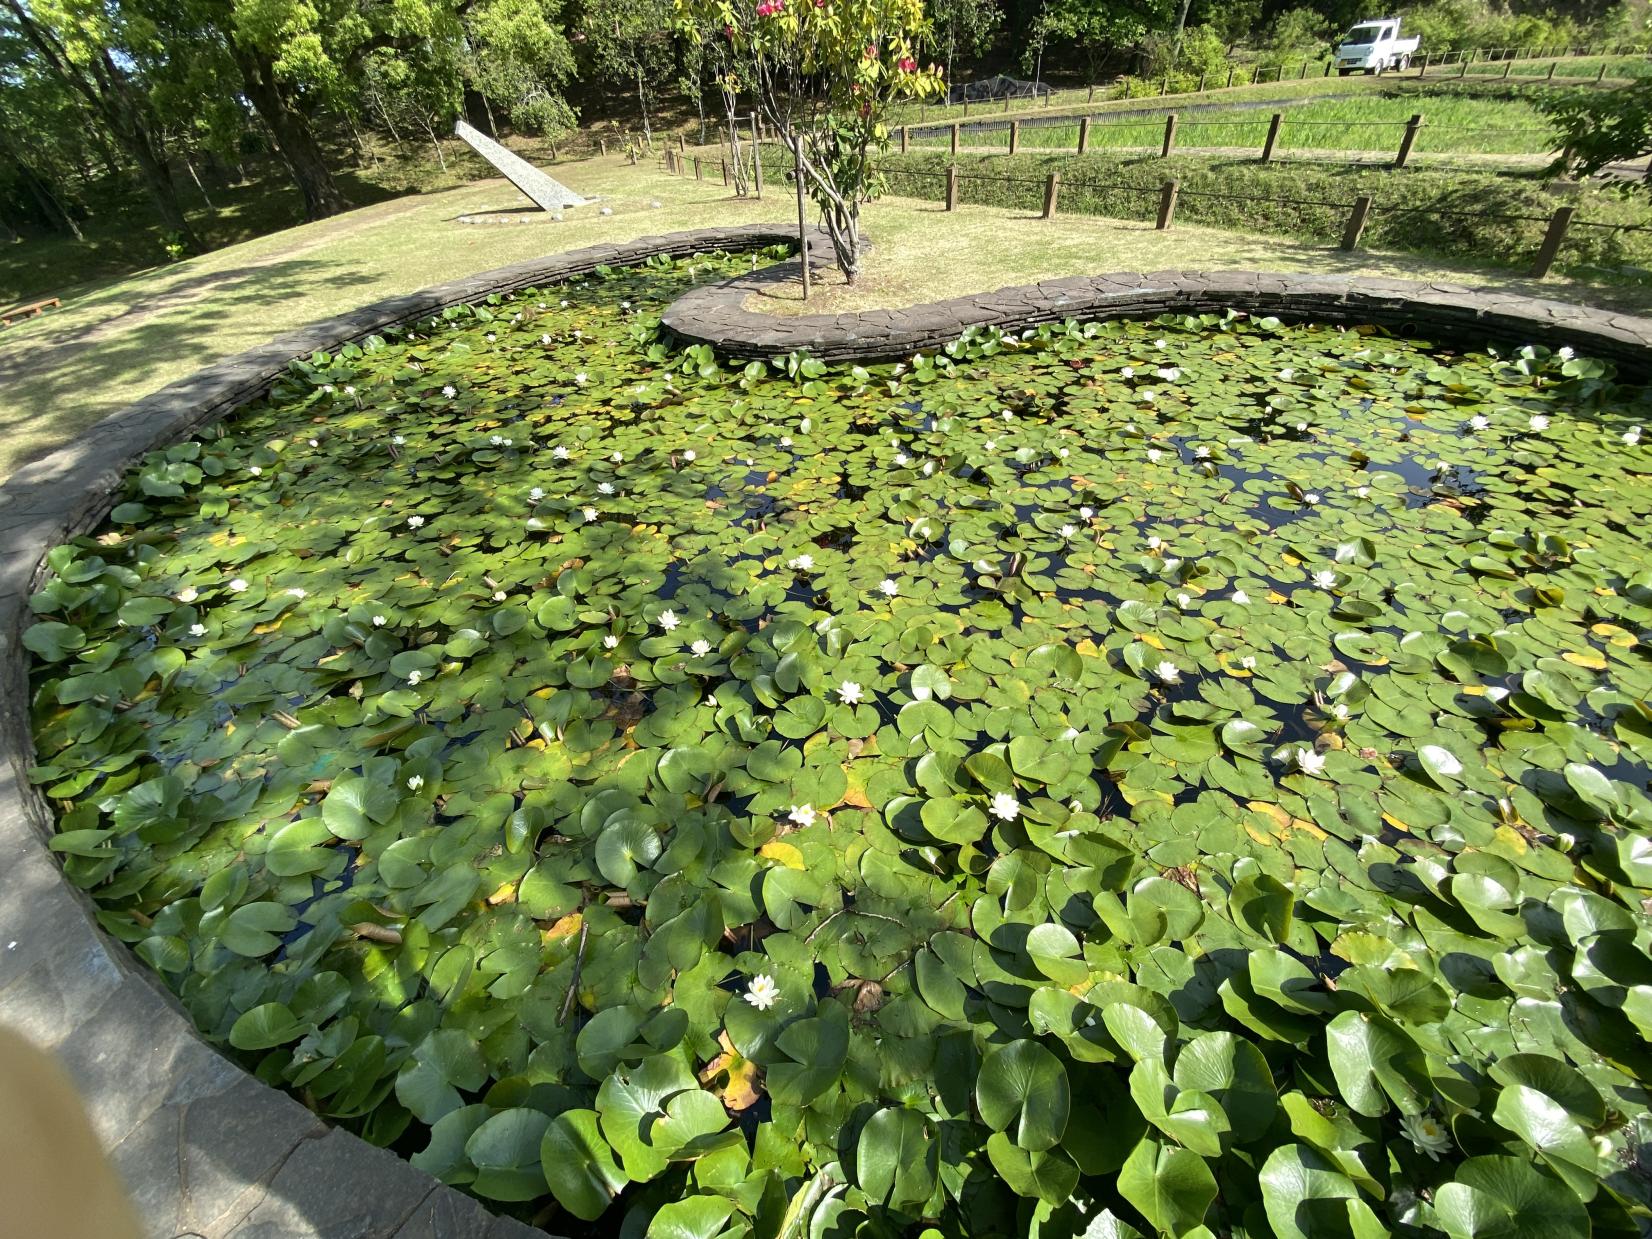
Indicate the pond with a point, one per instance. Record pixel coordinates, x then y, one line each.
1136 776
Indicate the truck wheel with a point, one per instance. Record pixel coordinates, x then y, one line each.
1405 63
1373 71
1344 72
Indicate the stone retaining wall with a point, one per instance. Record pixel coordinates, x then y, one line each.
208 1151
718 315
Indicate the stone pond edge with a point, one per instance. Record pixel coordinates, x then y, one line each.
205 1148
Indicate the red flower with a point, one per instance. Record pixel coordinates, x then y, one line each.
871 52
908 64
728 32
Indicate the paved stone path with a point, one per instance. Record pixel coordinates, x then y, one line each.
207 1151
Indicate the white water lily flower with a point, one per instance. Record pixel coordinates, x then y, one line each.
700 648
188 594
609 641
1241 597
1311 498
889 587
581 378
1248 662
559 452
803 562
1154 455
1129 372
328 388
1146 395
590 515
1008 416
295 592
1086 513
1309 762
785 440
1325 579
1202 452
1632 436
1564 352
618 457
197 630
545 339
415 782
929 468
1428 1134
1183 601
1340 712
537 493
237 585
990 444
379 621
1362 492
450 391
491 337
606 488
1479 422
1160 344
1005 806
1287 374
499 595
413 522
1063 453
255 471
805 425
902 459
763 993
315 442
849 692
1154 542
1538 422
1168 672
1170 565
413 677
497 440
398 440
801 815
1068 531
625 305
669 620
563 303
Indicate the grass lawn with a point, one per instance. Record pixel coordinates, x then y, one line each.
113 343
1454 123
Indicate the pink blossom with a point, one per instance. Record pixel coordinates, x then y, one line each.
908 64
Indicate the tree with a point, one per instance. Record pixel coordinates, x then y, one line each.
1096 30
1601 127
962 26
629 41
516 54
94 50
824 74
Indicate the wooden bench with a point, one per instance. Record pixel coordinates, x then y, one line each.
29 311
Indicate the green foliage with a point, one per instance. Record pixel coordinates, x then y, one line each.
1598 128
1181 777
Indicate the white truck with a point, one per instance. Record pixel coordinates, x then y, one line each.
1373 46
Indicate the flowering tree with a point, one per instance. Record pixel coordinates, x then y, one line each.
824 74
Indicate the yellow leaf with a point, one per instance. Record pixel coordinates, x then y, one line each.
1396 823
855 797
731 1077
567 925
1275 596
505 894
1591 659
1149 639
782 853
1087 649
1513 840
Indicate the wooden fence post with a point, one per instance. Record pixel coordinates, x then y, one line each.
903 139
1230 74
1201 84
1169 136
699 171
724 161
1601 76
1462 68
1328 66
602 146
1167 204
1091 97
1273 136
1051 187
1553 65
1356 222
1409 140
756 159
1559 222
954 137
1164 86
682 143
1508 67
952 187
1303 75
1015 136
1083 134
1423 72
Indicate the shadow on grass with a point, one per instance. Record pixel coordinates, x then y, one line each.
151 336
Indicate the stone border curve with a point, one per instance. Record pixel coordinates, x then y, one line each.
209 1152
718 314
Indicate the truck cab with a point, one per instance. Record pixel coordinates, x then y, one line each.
1374 45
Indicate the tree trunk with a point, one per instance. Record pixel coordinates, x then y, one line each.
294 140
52 210
196 177
642 104
1181 25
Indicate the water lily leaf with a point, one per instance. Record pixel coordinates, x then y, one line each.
698 1217
252 928
1374 1061
265 1026
1306 1197
1553 1134
506 1153
1507 1197
897 1158
1023 1084
626 846
578 1164
1049 1176
353 806
1172 1187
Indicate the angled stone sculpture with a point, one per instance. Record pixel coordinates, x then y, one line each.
549 194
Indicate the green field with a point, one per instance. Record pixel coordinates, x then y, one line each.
1453 124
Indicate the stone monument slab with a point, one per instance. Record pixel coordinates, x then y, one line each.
549 193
